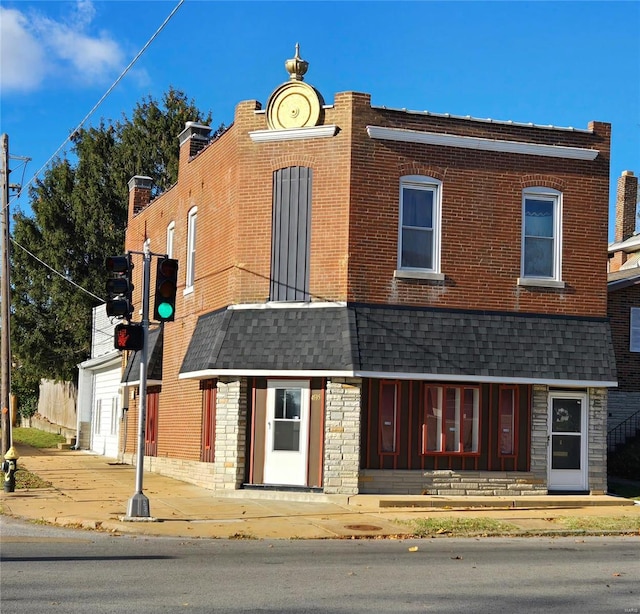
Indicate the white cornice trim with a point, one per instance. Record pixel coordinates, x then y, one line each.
287 305
111 359
434 377
472 142
293 134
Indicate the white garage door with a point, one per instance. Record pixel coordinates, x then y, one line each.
105 418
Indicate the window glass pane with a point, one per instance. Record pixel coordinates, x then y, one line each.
538 257
286 435
470 420
452 412
634 330
433 419
538 218
388 415
565 452
288 403
506 421
566 416
417 248
417 208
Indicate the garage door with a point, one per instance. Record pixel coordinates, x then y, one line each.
105 419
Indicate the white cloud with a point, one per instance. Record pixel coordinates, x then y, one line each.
36 47
22 56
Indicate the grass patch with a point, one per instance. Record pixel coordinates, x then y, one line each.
593 524
460 527
26 480
36 438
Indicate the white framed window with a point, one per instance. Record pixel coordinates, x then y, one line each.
634 330
541 251
191 248
419 225
170 232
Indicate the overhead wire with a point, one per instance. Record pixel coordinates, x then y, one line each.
103 98
84 120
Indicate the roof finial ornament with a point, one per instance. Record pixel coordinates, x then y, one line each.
296 66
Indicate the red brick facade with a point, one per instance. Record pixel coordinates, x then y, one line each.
354 226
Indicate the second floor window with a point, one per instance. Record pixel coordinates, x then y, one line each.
541 234
419 240
191 248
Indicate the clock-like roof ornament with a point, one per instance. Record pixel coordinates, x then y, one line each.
294 104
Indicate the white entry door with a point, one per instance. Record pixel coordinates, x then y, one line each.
568 461
287 432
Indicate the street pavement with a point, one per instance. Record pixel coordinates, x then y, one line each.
91 491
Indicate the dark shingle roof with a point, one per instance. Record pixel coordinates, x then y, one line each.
409 341
277 339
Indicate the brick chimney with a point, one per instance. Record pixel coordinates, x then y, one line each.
626 215
197 137
139 194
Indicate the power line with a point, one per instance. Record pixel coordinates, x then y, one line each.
104 96
87 116
73 283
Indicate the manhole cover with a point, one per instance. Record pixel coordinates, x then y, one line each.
363 527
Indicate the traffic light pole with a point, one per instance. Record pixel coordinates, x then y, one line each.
138 506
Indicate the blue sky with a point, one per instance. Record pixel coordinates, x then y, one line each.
559 63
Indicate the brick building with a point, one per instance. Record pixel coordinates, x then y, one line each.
380 300
624 312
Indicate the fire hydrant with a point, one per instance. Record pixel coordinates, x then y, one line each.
9 468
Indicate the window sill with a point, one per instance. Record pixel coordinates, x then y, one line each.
187 290
540 283
427 275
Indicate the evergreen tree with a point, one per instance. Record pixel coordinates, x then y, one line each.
79 218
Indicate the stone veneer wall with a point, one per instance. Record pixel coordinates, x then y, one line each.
342 436
451 483
539 432
597 450
231 429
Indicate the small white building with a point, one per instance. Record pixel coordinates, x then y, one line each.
99 393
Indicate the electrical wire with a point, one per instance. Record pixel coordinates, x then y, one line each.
87 116
73 283
104 96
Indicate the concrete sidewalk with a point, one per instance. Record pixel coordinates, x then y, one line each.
92 492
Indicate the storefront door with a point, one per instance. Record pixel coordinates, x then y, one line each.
568 463
287 432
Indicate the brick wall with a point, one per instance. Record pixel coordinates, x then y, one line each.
620 302
354 229
481 216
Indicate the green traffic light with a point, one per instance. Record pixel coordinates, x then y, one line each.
165 310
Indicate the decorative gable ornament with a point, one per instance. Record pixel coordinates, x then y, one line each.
294 104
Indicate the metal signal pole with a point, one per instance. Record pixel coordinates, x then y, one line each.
138 506
5 355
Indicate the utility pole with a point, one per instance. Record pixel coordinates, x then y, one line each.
5 297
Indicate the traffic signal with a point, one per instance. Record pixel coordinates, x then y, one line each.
128 337
164 309
119 286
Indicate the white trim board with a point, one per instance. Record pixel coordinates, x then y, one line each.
293 134
434 377
471 142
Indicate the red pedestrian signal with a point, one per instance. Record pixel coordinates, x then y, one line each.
129 337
